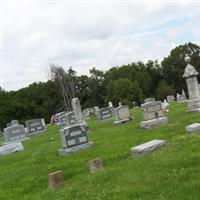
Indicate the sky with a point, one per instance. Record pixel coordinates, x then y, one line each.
86 34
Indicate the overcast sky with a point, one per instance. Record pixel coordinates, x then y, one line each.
85 35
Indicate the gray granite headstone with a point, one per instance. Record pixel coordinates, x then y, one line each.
35 126
122 114
14 133
73 138
104 113
77 110
170 98
68 119
148 146
86 113
193 128
58 115
153 115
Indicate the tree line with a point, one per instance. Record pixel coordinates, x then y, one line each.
126 83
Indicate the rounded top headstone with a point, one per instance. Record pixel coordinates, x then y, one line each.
187 59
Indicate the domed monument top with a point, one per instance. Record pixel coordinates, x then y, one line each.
189 70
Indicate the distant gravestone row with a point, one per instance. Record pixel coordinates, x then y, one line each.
74 128
17 132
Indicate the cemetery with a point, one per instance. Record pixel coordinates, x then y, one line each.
119 169
100 100
157 151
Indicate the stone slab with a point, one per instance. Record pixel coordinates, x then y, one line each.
154 122
193 128
148 146
63 152
11 148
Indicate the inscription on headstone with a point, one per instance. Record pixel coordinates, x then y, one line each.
73 138
34 126
104 113
122 114
153 115
67 119
14 133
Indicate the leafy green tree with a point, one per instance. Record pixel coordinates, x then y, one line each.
125 91
164 90
173 66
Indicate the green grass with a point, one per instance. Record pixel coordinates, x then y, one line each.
172 172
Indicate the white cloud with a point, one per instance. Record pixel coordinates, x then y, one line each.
86 35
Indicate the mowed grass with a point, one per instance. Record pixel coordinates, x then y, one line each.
172 172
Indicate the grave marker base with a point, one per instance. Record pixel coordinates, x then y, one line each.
123 121
63 152
154 122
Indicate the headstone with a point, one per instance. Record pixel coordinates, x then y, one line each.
95 165
119 104
56 180
181 98
14 133
122 114
110 104
148 146
77 110
193 128
190 74
35 126
58 115
73 139
170 98
96 109
68 119
14 122
149 100
86 113
153 115
11 148
165 105
104 113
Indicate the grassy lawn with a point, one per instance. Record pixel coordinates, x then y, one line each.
172 172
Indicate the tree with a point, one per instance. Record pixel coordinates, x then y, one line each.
173 66
164 90
65 84
125 91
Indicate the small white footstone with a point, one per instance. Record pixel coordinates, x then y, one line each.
193 128
11 148
148 146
